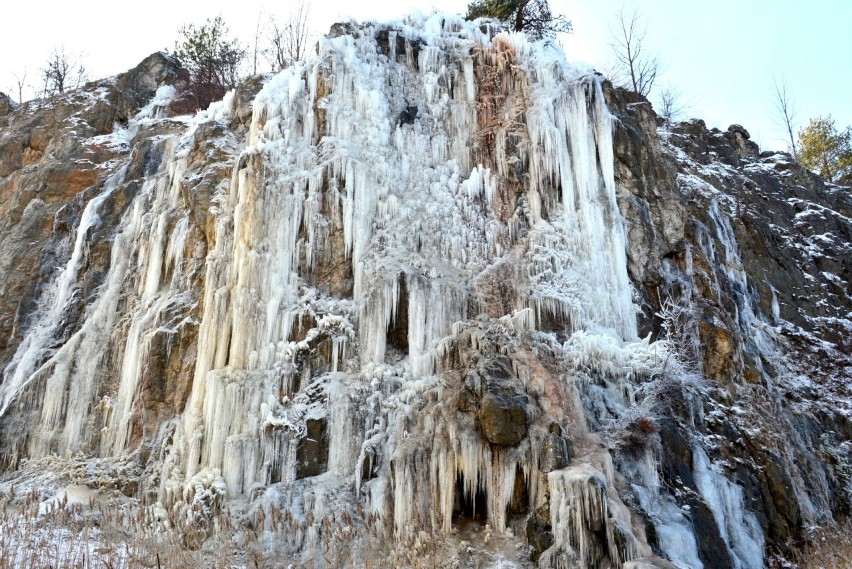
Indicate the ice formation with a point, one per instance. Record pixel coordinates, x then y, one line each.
363 256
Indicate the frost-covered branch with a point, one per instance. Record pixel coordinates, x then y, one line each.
677 370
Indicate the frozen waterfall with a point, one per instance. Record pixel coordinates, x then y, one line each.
418 232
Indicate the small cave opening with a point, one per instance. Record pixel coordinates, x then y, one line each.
469 506
275 473
398 329
552 321
519 505
370 465
312 452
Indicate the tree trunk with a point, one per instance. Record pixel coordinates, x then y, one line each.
519 15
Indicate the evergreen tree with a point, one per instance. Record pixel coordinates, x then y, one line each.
824 150
212 58
531 16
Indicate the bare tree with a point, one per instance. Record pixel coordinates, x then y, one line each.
634 69
786 110
20 83
289 39
257 33
61 73
671 105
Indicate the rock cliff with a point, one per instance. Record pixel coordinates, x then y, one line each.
434 298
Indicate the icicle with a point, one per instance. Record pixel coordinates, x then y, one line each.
578 511
738 527
332 172
585 274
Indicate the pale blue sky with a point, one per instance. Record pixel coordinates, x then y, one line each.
721 55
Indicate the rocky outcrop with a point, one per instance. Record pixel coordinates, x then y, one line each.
756 248
503 416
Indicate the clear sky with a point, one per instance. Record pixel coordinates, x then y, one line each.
720 56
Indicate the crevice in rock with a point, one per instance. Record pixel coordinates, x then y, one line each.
398 329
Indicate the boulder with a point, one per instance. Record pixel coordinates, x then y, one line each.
556 452
539 532
244 96
503 415
137 86
151 73
6 104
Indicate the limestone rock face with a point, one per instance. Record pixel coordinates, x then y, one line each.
431 298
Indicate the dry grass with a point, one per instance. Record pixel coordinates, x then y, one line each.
829 548
89 536
124 536
35 534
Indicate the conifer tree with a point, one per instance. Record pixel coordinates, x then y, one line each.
826 151
213 59
531 16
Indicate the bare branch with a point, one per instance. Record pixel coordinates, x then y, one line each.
289 39
20 83
634 69
257 33
786 110
671 106
61 74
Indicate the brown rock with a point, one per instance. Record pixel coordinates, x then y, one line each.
718 352
556 452
6 104
312 454
11 156
503 416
